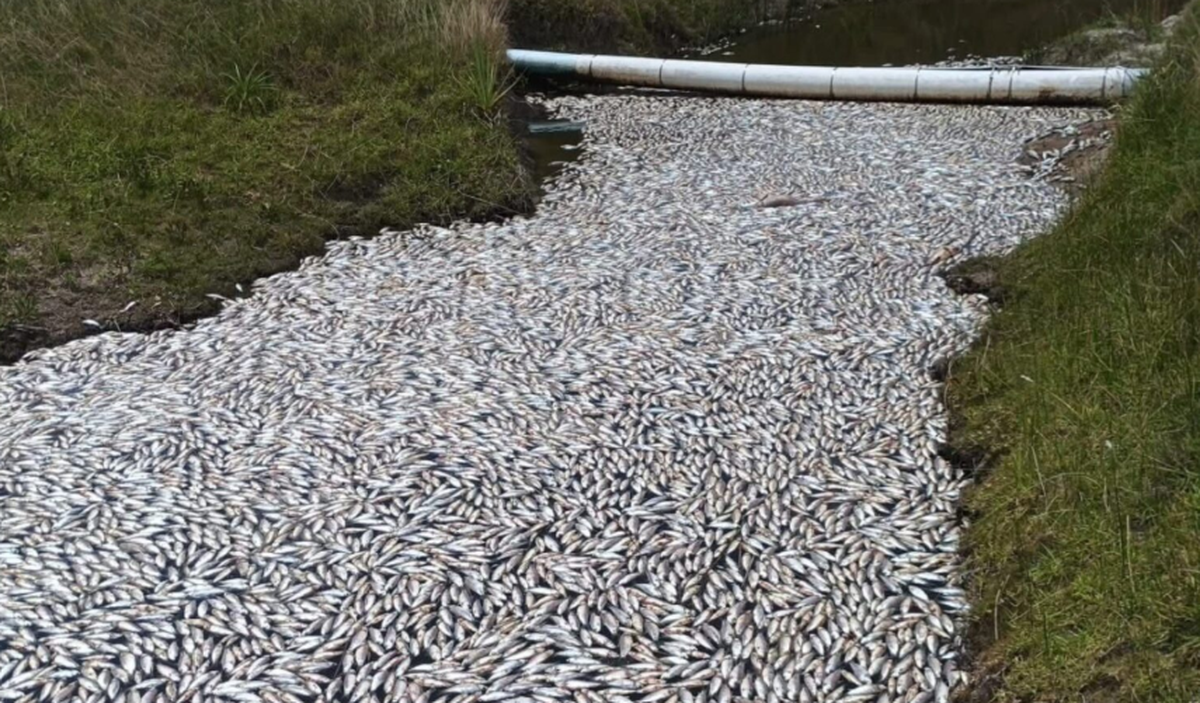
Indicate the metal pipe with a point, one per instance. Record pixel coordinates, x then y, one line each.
1006 84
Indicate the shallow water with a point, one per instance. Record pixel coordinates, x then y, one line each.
903 32
552 144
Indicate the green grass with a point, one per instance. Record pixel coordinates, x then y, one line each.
487 82
160 151
1085 544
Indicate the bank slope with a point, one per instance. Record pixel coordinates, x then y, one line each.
159 152
1085 542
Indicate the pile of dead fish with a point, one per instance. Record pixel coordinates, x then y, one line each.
671 439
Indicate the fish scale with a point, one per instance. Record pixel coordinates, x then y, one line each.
671 438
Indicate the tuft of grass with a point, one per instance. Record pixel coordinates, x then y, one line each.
475 33
248 91
1085 547
488 81
472 26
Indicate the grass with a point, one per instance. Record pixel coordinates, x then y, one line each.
161 151
249 90
1085 542
487 82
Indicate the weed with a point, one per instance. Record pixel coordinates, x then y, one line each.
249 91
487 81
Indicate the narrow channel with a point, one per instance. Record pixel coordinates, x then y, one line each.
885 32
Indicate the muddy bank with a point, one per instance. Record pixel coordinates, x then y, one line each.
1113 42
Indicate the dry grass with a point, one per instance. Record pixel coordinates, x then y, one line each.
470 25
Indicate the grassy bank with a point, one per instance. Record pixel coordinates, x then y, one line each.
1085 542
160 151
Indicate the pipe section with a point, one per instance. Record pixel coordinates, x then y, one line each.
1027 85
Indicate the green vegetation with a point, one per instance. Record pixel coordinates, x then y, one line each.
1085 542
161 151
487 82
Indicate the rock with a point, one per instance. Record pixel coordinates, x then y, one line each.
979 282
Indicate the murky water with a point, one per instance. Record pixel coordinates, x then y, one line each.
552 144
903 32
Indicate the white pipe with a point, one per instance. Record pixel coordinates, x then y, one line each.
1022 84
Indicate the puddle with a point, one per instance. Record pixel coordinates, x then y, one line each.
901 32
552 144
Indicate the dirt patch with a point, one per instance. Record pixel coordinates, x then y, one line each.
60 322
976 277
1070 156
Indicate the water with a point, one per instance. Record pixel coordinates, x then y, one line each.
552 144
901 32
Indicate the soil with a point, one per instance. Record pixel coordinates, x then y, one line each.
1082 164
